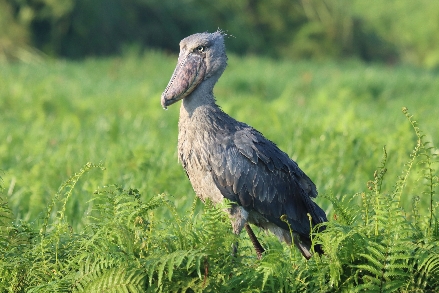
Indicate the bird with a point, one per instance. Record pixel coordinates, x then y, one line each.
228 159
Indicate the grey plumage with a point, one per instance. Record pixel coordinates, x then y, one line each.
225 158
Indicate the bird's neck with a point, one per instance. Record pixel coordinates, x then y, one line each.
201 97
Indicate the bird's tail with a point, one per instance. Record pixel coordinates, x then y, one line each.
304 246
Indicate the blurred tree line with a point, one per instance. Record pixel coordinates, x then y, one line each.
372 30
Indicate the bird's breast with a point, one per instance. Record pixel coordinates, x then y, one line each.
193 152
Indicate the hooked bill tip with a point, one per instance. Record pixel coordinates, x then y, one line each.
163 102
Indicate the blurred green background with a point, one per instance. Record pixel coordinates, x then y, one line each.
388 31
81 80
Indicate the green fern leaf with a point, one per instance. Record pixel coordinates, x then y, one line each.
370 269
120 279
377 262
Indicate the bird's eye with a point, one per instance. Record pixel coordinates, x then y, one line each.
200 49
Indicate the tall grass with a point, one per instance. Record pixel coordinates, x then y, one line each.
333 119
126 246
112 228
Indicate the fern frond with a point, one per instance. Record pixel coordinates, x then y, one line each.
370 269
427 263
402 180
68 185
344 210
5 222
160 265
101 278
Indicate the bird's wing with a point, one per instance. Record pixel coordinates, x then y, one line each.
252 171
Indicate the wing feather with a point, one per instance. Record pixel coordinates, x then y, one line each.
254 172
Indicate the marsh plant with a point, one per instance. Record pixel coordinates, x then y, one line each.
372 243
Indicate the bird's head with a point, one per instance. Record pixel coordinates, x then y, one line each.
202 57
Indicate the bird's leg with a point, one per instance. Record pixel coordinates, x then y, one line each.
258 247
235 249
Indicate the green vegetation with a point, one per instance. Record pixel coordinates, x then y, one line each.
388 31
131 222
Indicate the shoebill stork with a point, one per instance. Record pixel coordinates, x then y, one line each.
225 158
